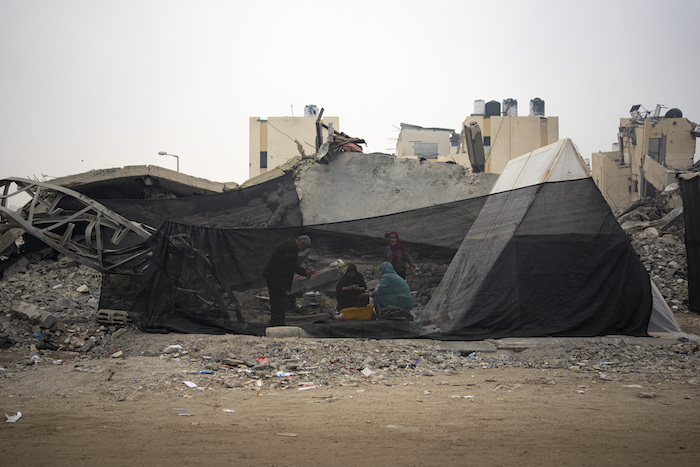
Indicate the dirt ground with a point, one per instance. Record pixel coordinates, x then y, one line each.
121 411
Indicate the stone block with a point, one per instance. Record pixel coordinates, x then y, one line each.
286 331
27 311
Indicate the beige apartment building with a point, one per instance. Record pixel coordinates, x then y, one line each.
494 136
650 150
273 141
428 143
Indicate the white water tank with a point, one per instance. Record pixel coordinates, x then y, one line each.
479 107
310 111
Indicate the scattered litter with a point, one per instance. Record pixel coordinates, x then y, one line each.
578 391
631 386
367 372
229 411
13 418
178 410
646 395
307 387
283 374
289 435
189 384
207 372
603 362
260 361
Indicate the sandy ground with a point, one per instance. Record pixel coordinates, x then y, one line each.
122 412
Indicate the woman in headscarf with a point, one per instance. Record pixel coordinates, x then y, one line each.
392 289
351 289
397 254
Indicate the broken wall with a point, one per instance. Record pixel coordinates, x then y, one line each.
358 186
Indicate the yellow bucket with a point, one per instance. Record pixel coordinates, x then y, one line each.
355 312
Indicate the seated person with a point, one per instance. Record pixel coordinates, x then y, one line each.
351 289
392 290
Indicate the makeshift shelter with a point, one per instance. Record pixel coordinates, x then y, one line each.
195 271
546 257
540 256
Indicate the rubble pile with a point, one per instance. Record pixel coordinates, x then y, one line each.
50 303
657 235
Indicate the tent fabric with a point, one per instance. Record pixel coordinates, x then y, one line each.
434 232
544 260
690 192
245 208
191 282
558 162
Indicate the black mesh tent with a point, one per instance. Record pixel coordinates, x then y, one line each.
196 271
544 260
546 257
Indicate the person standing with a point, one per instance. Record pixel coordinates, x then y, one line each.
279 273
397 254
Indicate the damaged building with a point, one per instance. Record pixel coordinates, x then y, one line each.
651 149
275 140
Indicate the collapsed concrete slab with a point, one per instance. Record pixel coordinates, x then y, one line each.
139 182
358 186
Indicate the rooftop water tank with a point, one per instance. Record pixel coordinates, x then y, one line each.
310 111
493 109
510 107
674 113
479 107
536 107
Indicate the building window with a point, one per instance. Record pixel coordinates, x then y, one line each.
657 149
427 150
487 141
263 159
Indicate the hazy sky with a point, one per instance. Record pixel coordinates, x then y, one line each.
91 84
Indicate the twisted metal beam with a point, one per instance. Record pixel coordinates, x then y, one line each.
76 226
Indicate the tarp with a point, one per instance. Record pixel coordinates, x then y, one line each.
546 257
690 191
544 260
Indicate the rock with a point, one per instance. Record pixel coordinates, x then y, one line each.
27 311
48 322
83 289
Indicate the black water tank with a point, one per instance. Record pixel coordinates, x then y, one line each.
493 109
674 113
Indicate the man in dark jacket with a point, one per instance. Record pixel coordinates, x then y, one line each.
279 273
